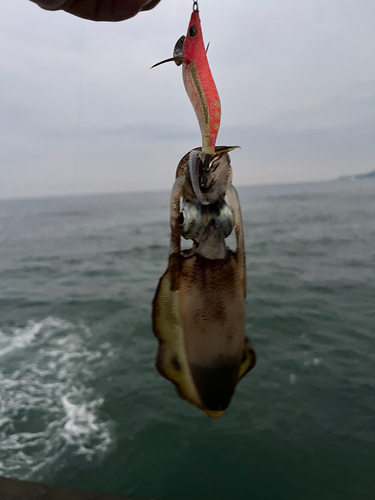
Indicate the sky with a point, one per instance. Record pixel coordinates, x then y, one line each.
81 111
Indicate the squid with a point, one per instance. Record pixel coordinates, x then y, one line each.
198 310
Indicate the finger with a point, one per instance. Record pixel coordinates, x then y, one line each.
107 10
150 5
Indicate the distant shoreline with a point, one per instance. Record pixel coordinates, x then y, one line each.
361 177
357 177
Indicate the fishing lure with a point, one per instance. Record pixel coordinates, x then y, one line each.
190 52
198 309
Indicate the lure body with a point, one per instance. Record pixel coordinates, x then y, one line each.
198 308
200 85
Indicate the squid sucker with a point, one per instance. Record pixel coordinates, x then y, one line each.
198 308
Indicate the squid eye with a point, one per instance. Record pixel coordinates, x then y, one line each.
193 31
190 220
225 220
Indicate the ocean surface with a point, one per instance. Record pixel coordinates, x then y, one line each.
81 403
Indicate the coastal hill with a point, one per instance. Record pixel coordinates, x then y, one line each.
358 177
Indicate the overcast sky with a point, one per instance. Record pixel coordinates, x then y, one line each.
81 112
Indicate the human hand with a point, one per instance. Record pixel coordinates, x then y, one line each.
99 10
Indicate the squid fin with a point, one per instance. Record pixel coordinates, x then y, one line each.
248 359
171 360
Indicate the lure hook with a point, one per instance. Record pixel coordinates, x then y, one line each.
195 6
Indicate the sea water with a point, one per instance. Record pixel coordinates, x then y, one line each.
81 403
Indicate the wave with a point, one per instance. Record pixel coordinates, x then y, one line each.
49 408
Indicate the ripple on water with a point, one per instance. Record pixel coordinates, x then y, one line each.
48 409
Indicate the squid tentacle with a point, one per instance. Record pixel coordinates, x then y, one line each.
234 203
194 162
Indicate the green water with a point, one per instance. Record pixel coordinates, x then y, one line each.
81 403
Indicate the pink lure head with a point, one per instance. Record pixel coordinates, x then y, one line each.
193 43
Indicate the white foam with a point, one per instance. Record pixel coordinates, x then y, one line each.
82 427
48 407
310 359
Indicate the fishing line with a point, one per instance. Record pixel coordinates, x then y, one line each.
78 138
